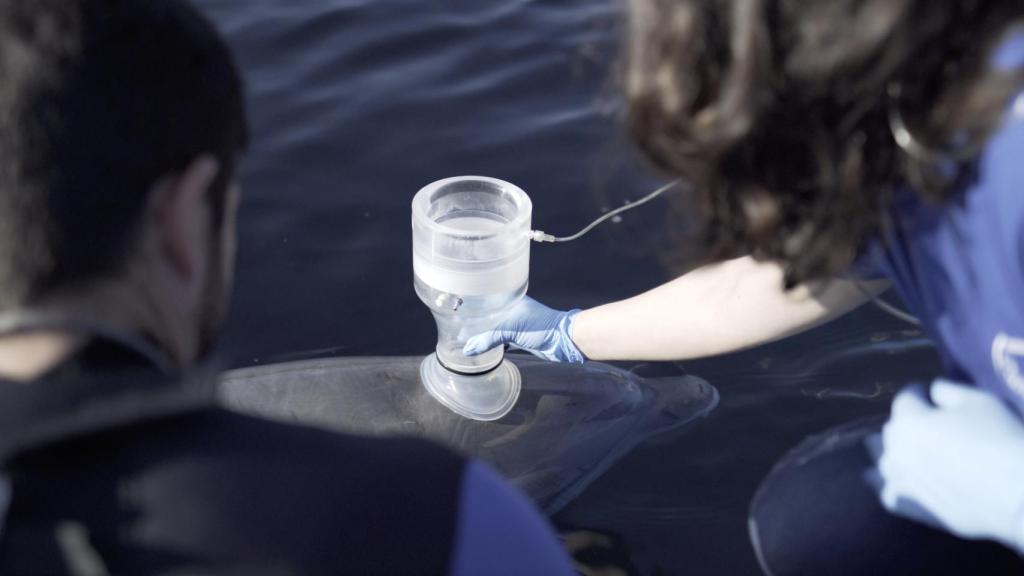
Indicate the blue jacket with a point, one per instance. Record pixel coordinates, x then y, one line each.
960 266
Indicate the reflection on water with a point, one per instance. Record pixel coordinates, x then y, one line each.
357 104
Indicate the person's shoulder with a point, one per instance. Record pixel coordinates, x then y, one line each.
222 429
501 532
279 490
299 464
1002 156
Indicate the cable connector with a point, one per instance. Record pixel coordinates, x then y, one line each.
540 236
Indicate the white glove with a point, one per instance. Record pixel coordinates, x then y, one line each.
957 464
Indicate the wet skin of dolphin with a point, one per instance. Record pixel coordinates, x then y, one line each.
570 424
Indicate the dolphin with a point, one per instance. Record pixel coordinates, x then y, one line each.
569 425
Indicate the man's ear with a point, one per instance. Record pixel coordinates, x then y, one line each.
182 214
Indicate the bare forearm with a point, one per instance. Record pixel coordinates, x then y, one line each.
713 310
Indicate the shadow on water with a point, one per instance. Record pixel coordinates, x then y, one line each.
356 104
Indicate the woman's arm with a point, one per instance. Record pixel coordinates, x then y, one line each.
713 310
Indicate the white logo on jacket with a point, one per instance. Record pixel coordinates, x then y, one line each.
1007 354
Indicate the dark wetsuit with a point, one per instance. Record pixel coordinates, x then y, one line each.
114 469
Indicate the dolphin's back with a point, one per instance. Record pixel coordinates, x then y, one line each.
569 425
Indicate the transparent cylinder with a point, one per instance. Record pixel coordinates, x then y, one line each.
471 261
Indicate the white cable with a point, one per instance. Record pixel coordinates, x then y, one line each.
541 236
888 308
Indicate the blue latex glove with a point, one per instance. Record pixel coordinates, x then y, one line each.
535 328
955 463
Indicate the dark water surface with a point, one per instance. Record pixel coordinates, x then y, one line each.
357 104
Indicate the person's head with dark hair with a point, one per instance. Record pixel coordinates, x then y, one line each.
120 124
795 121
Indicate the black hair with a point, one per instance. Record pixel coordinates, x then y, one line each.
99 99
780 113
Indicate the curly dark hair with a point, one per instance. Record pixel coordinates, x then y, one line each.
779 113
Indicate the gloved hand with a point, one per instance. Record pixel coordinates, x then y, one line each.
955 463
535 328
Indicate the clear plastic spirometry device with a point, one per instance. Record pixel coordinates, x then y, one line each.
471 262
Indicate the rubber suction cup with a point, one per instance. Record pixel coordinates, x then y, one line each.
483 397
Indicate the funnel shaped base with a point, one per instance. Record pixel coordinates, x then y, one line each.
483 397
